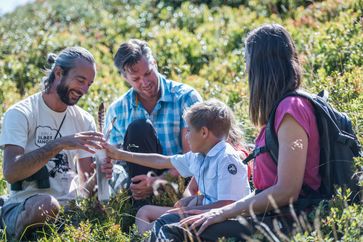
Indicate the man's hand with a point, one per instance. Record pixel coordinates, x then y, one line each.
87 167
195 200
141 186
106 167
88 141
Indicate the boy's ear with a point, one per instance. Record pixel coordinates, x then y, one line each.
204 131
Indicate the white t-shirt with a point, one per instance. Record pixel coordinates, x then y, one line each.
220 174
31 124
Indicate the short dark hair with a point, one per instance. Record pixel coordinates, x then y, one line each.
273 69
66 59
213 114
131 52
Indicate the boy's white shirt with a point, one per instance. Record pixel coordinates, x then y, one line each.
220 174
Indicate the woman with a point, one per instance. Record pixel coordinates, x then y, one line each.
273 70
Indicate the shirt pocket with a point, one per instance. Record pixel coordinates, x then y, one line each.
211 172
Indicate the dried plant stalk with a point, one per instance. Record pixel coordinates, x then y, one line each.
101 116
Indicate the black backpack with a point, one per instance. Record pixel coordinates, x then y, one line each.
338 146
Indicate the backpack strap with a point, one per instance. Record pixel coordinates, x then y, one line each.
257 151
271 141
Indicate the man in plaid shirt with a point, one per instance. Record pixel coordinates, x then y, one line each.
149 117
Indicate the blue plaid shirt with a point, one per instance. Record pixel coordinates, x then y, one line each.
167 116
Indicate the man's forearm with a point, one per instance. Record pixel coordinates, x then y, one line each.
27 164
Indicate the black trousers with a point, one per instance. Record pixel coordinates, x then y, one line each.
141 137
167 228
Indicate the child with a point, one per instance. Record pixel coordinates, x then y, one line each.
214 163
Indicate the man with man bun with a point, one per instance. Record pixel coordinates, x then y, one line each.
47 139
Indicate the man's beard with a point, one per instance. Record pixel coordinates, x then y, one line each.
63 93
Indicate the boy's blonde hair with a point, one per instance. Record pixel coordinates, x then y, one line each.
213 114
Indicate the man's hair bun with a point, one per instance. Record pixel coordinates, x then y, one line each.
51 58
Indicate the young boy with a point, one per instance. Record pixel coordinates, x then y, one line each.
215 164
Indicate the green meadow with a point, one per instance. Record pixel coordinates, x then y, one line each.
200 43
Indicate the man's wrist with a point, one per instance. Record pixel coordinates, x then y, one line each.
55 146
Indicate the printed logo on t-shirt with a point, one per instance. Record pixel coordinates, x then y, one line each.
58 164
232 169
44 134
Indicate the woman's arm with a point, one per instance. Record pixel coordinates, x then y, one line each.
293 144
152 160
192 207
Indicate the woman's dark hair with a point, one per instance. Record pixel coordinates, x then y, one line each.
273 69
67 59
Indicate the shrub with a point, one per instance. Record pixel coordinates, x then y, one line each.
200 43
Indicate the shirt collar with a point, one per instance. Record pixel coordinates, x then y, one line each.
166 93
217 148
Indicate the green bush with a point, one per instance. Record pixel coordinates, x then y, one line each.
200 43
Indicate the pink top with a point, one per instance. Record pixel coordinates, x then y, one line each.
265 170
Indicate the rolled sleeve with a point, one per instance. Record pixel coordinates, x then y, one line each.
182 164
15 129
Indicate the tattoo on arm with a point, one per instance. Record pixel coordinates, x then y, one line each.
21 166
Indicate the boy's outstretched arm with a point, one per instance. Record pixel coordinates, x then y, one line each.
152 160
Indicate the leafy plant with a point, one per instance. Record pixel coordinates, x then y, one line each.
200 43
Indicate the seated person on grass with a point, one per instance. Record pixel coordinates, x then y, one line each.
213 162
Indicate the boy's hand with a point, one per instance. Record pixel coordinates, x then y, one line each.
112 151
189 201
